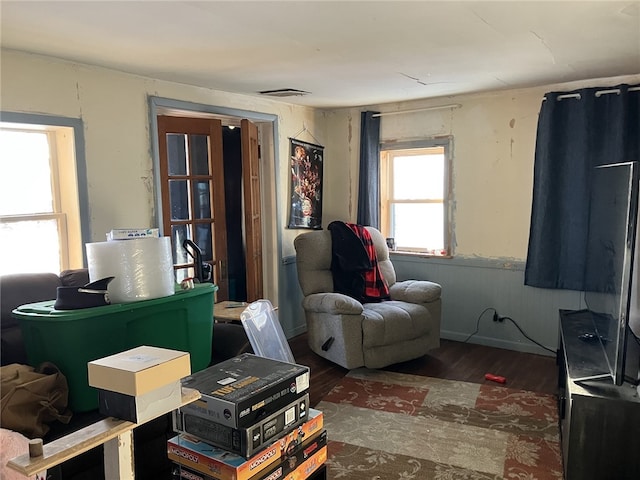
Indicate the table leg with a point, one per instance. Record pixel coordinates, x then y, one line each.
118 457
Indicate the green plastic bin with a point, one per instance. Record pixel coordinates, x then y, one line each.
72 338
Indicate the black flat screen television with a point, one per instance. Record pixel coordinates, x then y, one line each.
609 263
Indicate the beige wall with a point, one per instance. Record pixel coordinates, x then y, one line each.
114 109
494 142
494 138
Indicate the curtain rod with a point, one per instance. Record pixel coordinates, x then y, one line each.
597 94
439 107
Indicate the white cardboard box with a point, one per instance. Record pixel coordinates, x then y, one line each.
139 370
141 408
131 233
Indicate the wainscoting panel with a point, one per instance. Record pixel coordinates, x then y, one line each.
290 312
471 289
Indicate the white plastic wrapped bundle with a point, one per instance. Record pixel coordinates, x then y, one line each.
143 268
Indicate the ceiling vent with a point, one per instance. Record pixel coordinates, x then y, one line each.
284 92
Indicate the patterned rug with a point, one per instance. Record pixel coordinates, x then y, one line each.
393 426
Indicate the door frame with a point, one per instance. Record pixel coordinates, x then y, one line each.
267 131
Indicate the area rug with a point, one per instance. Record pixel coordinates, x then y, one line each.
392 426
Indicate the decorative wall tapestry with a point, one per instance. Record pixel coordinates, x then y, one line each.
306 185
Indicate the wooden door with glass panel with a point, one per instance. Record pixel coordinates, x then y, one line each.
192 187
252 211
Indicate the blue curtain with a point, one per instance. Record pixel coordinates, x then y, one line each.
369 180
576 131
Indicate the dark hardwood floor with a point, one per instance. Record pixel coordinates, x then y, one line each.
453 360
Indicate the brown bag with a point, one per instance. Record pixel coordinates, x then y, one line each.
31 398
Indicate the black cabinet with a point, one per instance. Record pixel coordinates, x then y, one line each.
599 421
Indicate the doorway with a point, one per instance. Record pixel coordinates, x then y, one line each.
243 210
236 260
241 267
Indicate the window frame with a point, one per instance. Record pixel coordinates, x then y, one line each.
68 176
386 187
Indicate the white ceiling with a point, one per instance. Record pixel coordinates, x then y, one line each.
346 53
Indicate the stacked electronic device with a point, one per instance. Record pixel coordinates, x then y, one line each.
252 422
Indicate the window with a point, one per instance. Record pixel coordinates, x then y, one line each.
415 196
39 207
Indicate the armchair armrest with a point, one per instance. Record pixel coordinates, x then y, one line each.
333 303
415 291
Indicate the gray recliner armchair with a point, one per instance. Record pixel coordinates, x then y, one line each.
373 335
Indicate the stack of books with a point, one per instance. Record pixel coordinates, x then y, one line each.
252 422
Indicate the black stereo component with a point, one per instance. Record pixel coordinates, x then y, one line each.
240 391
244 441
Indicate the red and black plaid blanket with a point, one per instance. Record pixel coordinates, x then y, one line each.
375 287
354 263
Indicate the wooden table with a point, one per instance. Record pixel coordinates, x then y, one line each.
115 434
228 312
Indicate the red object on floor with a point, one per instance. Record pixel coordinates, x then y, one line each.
495 378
